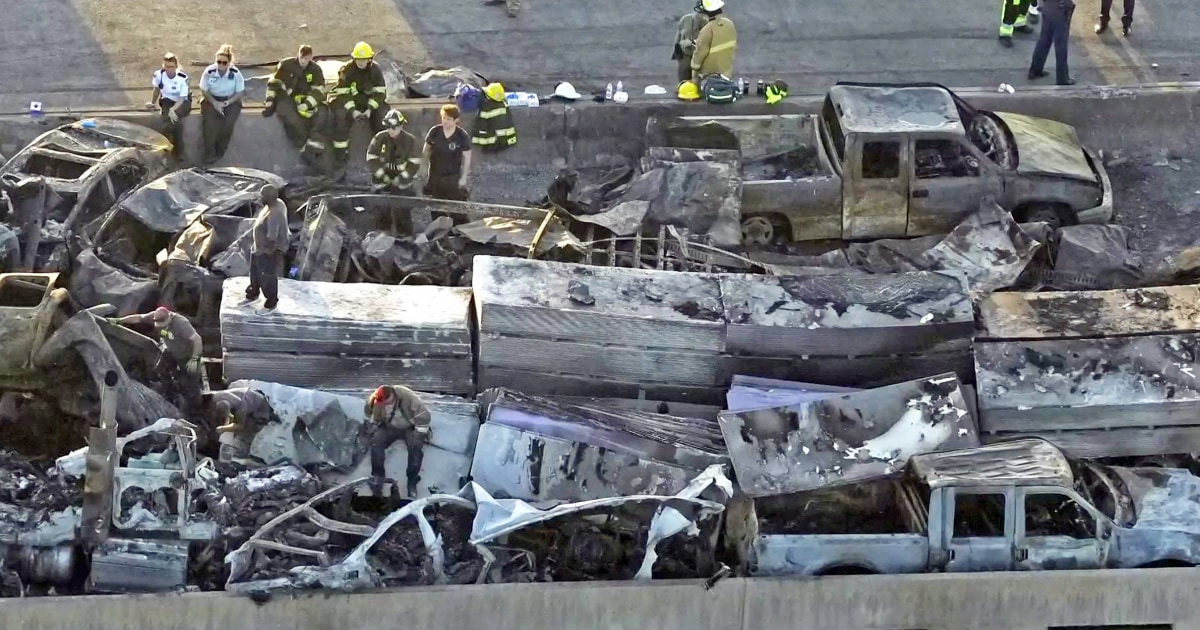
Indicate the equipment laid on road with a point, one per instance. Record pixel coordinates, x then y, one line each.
688 91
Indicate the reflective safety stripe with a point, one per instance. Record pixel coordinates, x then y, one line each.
316 144
341 144
380 172
373 104
379 89
510 141
270 94
306 113
491 113
483 140
349 105
340 91
354 89
372 156
507 131
1006 30
726 46
415 160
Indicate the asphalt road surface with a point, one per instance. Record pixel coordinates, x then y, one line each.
99 52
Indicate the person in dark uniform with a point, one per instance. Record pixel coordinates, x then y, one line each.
240 414
223 86
361 92
447 158
295 91
1056 32
1126 17
394 157
173 99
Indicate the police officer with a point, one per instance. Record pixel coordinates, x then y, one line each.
361 92
398 413
295 91
1056 32
223 87
1106 12
172 97
394 157
1013 17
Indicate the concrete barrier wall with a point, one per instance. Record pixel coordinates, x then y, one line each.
588 134
1017 601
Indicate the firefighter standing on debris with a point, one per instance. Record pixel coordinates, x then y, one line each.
239 415
361 92
685 39
494 128
173 98
394 157
222 85
398 413
180 344
295 91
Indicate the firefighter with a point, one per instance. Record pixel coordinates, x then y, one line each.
397 413
716 44
180 345
239 416
514 6
685 39
173 99
493 124
1013 17
394 157
360 93
295 91
223 86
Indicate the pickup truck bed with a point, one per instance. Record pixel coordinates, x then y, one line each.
807 555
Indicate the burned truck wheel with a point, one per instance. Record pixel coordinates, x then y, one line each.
762 230
1054 215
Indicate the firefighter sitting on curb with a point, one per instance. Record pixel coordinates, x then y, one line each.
295 91
361 91
394 157
397 413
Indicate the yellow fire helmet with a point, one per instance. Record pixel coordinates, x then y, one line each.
688 91
494 91
362 50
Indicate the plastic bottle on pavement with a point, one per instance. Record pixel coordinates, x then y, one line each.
608 92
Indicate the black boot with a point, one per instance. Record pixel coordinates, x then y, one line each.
1006 41
1101 26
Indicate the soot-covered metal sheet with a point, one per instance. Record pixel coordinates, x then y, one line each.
846 438
1059 314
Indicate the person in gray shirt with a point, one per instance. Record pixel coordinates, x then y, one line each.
268 247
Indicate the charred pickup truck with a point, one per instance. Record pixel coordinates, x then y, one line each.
885 161
1018 505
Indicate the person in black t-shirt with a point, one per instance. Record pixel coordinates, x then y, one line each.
447 158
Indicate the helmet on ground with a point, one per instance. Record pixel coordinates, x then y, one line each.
688 91
494 91
776 91
394 119
711 5
362 50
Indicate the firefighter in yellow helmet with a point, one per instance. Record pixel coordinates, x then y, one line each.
361 92
716 44
295 91
494 128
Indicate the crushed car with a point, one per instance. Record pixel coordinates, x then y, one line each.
68 177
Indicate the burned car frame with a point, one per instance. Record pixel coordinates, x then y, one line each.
71 175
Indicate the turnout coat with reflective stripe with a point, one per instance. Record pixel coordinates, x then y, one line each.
715 48
494 128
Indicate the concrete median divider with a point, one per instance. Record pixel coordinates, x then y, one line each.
1159 598
587 134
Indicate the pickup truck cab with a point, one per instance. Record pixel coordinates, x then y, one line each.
1018 505
886 161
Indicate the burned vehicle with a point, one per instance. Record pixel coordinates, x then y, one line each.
896 160
68 177
1019 505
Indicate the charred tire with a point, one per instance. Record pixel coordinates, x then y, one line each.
762 230
1054 215
846 570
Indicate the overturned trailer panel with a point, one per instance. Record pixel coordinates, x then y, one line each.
559 329
326 334
1067 314
846 438
1106 397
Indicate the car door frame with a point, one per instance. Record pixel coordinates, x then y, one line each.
1027 557
923 215
875 207
973 554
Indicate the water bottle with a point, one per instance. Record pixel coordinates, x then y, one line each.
620 87
608 92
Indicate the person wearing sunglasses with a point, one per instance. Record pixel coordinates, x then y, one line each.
222 85
173 99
